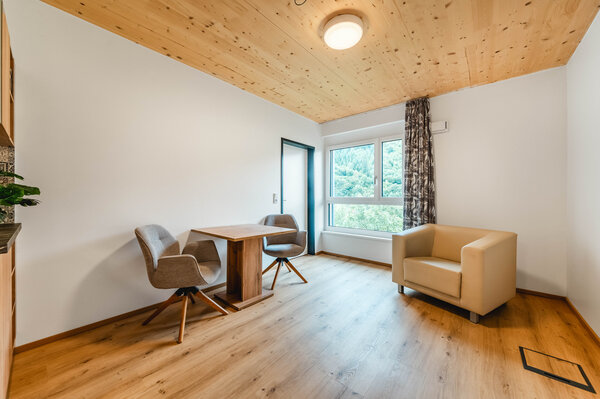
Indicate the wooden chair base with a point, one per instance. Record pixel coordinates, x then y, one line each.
184 294
288 264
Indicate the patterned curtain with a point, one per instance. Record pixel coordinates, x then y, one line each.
419 185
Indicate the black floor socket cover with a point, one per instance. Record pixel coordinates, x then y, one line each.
576 384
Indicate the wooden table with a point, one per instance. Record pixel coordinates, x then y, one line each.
244 261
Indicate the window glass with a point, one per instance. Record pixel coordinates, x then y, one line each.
391 168
352 171
386 218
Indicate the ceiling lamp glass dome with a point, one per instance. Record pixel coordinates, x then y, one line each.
343 31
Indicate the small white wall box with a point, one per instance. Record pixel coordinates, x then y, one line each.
439 127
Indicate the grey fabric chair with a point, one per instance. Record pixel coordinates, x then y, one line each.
199 264
284 246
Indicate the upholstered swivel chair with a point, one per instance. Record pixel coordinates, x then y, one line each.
167 268
284 246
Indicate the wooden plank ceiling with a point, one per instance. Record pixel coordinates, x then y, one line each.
411 48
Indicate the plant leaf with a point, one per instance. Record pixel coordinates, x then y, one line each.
10 201
29 202
11 192
10 174
27 190
5 192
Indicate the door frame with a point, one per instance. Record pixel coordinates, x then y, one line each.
310 190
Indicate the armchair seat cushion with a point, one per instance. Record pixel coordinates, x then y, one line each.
283 250
436 273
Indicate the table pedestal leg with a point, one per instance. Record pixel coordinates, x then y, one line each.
244 274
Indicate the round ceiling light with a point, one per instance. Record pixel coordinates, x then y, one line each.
343 31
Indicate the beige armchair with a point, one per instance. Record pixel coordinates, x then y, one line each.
474 269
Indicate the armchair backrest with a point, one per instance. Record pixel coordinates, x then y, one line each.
155 242
285 220
449 240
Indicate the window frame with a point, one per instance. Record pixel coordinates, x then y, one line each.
377 199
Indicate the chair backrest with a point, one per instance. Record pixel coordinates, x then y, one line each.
285 220
449 240
155 242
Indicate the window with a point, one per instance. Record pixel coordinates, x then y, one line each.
365 186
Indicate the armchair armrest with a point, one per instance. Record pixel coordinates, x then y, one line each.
489 270
417 241
177 271
301 238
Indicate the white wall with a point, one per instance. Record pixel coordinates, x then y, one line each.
583 166
119 136
378 249
501 166
360 123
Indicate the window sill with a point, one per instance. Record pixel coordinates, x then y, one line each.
357 235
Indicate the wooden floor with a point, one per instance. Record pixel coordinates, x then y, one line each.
346 334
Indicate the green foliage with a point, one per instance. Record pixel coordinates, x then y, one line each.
391 158
368 217
12 194
10 174
352 176
353 171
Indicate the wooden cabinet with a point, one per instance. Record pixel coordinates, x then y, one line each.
7 85
7 317
8 234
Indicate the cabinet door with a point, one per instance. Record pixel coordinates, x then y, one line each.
5 321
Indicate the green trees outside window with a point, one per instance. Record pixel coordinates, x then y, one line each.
391 168
386 218
353 172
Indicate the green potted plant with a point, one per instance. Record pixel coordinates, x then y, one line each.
14 194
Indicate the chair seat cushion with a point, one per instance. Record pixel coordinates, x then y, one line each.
283 250
436 273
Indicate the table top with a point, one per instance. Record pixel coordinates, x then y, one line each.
240 232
